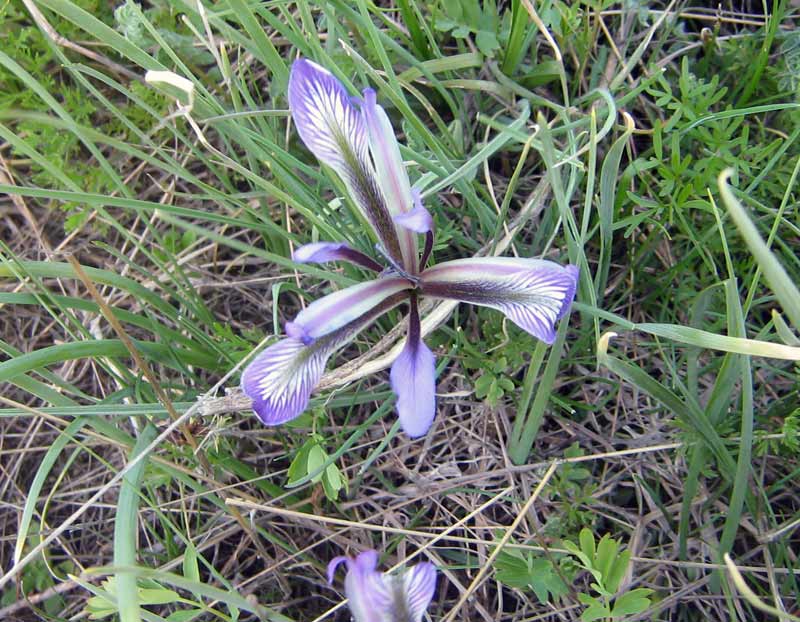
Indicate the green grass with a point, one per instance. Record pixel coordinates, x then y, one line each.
661 160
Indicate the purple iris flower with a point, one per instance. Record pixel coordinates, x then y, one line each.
382 597
355 138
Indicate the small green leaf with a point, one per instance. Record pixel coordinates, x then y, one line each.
606 556
190 568
316 458
487 43
594 610
332 482
299 466
157 596
186 615
522 571
586 539
595 613
630 603
617 571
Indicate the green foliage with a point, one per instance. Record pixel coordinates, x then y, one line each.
493 384
522 571
471 17
104 603
309 461
572 488
496 380
788 443
608 567
39 576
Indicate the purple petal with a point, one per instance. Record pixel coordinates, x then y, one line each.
296 331
379 597
418 585
281 378
390 172
532 293
334 564
419 219
331 312
321 252
413 380
368 594
334 130
366 561
330 126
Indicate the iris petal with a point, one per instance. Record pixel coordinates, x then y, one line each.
334 130
331 312
532 293
380 597
322 252
413 380
417 587
418 220
330 126
391 173
368 594
281 378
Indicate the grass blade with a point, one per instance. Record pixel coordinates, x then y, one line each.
126 527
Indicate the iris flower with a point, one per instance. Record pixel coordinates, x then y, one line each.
354 137
382 597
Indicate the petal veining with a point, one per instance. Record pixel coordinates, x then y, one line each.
374 596
334 130
413 591
281 378
330 126
368 594
329 313
532 293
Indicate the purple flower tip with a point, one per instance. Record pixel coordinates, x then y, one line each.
299 332
376 596
572 272
370 97
334 564
418 219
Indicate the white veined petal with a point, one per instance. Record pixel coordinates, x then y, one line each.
418 584
329 124
334 130
534 294
281 378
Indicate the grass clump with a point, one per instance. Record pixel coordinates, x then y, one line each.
655 146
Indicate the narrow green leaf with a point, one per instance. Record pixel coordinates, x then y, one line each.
609 174
126 527
42 472
261 45
782 285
